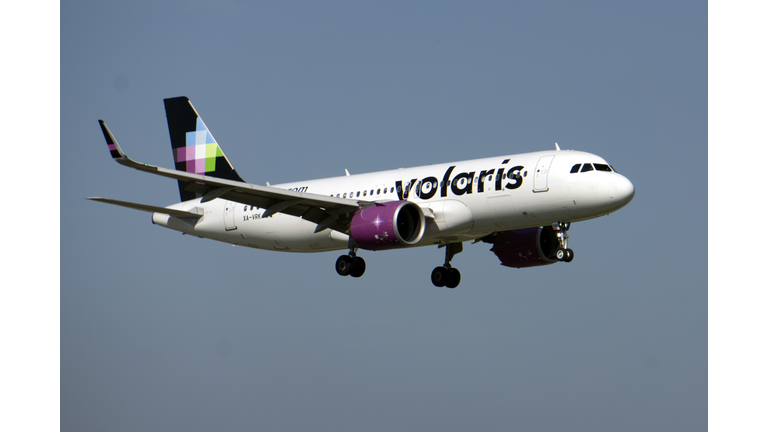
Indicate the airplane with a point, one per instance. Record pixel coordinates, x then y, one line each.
522 204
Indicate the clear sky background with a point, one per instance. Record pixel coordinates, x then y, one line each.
161 331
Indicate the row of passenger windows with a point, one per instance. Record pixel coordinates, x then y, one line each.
589 167
365 193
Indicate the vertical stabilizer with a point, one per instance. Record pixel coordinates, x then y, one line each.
194 148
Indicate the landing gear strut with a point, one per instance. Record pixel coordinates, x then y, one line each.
446 275
350 265
563 253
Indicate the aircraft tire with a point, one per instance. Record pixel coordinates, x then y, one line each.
358 267
344 265
454 278
561 254
568 255
439 276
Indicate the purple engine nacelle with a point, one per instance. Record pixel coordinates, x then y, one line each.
388 225
528 247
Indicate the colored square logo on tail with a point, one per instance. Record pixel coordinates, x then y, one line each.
200 152
200 158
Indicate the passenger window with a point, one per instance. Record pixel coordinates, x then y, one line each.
345 195
602 167
364 193
575 168
358 193
378 191
586 167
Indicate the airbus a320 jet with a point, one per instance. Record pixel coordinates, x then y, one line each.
522 204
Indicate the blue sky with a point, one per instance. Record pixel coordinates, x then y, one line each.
163 331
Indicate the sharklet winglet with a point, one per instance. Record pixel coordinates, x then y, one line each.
112 145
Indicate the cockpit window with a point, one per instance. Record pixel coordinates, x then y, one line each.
614 169
591 167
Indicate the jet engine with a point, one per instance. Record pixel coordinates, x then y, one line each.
527 247
388 225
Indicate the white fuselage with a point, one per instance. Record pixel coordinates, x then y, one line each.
462 201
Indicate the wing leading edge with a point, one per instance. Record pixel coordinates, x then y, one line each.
326 211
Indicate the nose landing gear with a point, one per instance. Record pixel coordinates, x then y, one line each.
446 275
563 253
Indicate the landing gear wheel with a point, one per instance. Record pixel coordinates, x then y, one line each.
568 255
447 276
454 277
344 265
358 267
439 276
561 254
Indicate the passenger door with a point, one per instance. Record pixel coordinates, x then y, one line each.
229 216
541 174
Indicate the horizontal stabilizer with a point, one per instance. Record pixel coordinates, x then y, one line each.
149 208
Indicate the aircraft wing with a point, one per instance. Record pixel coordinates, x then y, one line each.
326 211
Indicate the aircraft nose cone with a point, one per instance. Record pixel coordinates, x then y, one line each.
624 191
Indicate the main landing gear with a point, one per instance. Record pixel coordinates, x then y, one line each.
350 265
563 253
446 275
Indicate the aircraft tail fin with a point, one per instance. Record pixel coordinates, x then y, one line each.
194 148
